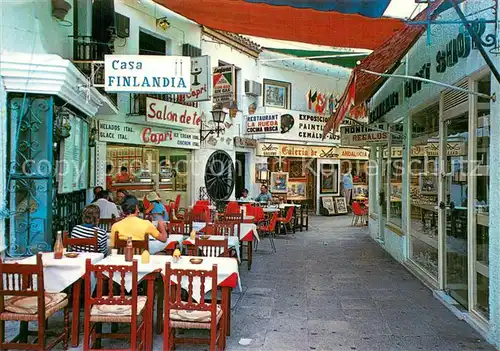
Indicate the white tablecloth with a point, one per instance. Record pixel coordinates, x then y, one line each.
247 230
232 242
225 268
59 274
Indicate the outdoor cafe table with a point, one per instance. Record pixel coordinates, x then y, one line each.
227 277
62 273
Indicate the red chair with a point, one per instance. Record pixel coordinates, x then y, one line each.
358 213
199 214
268 230
202 203
288 220
23 299
114 308
232 208
193 313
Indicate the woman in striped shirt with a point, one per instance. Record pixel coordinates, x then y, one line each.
90 228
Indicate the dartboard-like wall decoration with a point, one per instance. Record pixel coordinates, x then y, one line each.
219 175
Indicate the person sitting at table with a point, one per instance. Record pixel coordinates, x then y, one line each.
264 195
156 208
97 190
244 195
135 227
89 228
107 207
124 176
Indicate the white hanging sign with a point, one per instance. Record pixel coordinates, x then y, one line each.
147 74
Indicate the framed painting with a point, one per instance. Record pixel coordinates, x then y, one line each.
328 204
277 94
297 191
329 178
340 205
279 182
428 184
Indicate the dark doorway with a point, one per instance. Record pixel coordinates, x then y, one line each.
151 45
240 173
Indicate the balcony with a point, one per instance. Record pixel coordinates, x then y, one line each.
88 56
138 102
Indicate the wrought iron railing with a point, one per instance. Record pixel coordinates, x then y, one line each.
138 102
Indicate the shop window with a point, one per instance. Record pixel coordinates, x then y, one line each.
384 191
179 165
424 189
481 264
396 176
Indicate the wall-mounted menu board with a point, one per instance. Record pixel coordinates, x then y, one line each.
73 158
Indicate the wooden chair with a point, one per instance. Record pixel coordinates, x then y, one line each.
232 217
191 314
225 228
179 228
199 214
107 223
79 244
139 245
288 220
211 248
23 299
114 307
304 217
269 230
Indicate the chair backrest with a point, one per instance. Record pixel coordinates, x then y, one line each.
211 248
225 228
105 294
173 297
202 203
139 245
81 244
356 209
199 214
274 220
233 217
18 279
107 223
258 213
179 228
232 208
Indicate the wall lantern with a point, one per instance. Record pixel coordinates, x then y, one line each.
163 23
218 118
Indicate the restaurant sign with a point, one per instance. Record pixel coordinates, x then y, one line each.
288 150
365 134
262 124
172 115
127 133
147 74
245 142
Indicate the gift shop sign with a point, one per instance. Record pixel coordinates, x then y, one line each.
173 115
364 135
262 124
147 74
126 133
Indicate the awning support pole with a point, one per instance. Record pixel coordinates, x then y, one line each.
476 40
401 76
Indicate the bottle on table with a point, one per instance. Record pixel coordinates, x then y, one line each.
58 247
129 250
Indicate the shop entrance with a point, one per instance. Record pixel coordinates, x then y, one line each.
240 169
454 205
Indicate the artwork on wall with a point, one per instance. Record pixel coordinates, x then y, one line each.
340 205
277 94
360 190
329 178
297 191
279 182
328 204
428 184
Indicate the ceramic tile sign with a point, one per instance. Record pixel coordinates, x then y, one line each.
147 74
263 123
172 114
223 84
200 79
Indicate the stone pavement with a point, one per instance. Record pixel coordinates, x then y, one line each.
334 288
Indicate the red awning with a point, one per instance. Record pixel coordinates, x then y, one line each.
287 23
383 60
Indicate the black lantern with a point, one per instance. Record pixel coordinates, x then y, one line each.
218 117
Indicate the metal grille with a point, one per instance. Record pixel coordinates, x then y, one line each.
454 98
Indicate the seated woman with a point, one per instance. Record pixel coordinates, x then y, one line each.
155 208
89 228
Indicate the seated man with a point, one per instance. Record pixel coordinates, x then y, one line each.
264 195
108 208
89 228
135 227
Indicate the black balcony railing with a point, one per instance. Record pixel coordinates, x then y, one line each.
138 102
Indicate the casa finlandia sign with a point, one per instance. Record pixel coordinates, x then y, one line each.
147 74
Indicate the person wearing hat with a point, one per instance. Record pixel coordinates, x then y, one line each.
156 209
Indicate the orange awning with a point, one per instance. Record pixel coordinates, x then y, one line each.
287 23
383 60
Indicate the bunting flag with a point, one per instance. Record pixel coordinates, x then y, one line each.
345 104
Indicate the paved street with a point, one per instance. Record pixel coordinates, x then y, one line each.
333 288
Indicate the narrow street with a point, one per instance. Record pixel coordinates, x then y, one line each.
334 288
